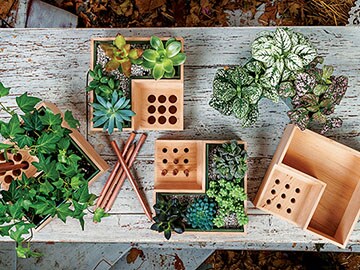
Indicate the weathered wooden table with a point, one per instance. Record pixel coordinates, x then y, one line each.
52 64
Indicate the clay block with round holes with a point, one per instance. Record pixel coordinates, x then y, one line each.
179 166
158 104
332 163
22 164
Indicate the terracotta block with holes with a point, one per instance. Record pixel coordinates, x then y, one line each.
158 104
320 184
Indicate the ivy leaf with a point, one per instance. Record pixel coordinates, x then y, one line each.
12 194
27 103
15 210
46 187
4 91
13 127
44 207
63 211
47 143
4 146
72 122
23 140
51 119
26 252
82 194
99 214
32 122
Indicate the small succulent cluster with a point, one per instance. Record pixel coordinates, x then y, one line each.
227 189
169 216
200 213
317 92
102 84
162 59
121 55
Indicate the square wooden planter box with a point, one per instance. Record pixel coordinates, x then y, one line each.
78 141
191 155
313 182
158 104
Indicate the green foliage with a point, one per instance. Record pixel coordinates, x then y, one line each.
228 187
162 59
113 113
200 213
102 84
121 55
317 92
169 216
60 190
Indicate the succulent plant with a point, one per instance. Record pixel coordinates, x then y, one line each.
121 55
230 161
283 52
169 216
162 60
200 213
112 114
317 92
102 84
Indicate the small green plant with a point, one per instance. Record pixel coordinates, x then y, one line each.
227 188
121 55
102 84
200 213
169 216
317 92
61 190
162 60
112 114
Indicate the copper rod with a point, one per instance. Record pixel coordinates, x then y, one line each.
133 182
9 166
114 171
123 176
119 172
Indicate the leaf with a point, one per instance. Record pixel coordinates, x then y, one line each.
156 43
305 52
150 55
4 146
4 91
13 127
134 253
24 140
252 93
252 116
27 103
46 187
158 71
168 65
32 122
178 59
282 37
72 122
50 119
240 108
320 89
265 56
273 75
173 49
99 214
119 41
47 143
63 211
293 62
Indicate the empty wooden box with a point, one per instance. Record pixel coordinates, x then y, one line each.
158 104
327 177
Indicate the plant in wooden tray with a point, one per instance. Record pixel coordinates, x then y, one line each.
169 216
113 113
121 55
317 92
227 189
162 59
59 188
200 213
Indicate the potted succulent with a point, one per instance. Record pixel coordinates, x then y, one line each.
222 205
115 62
64 165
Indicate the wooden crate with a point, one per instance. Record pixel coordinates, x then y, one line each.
142 120
334 210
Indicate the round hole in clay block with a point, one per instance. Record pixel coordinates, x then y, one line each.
2 173
288 211
151 120
165 161
277 181
283 196
2 157
151 98
175 150
162 99
151 109
297 190
8 179
172 99
273 191
175 171
172 109
162 109
278 206
268 201
186 150
176 161
186 161
16 172
164 150
26 165
172 120
292 200
17 157
287 186
162 120
186 172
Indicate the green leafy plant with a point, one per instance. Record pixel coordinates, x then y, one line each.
121 55
200 213
228 189
61 188
283 53
162 59
317 92
102 84
112 114
169 216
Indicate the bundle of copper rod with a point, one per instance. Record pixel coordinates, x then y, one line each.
120 172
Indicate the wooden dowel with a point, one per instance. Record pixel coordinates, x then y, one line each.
123 176
133 182
9 166
114 171
112 186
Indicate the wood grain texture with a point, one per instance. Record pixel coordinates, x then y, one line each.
52 64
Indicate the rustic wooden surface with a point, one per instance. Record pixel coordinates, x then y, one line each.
52 64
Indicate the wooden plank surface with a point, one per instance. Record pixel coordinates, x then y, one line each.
52 64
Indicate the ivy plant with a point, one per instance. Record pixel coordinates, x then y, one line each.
162 59
60 190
